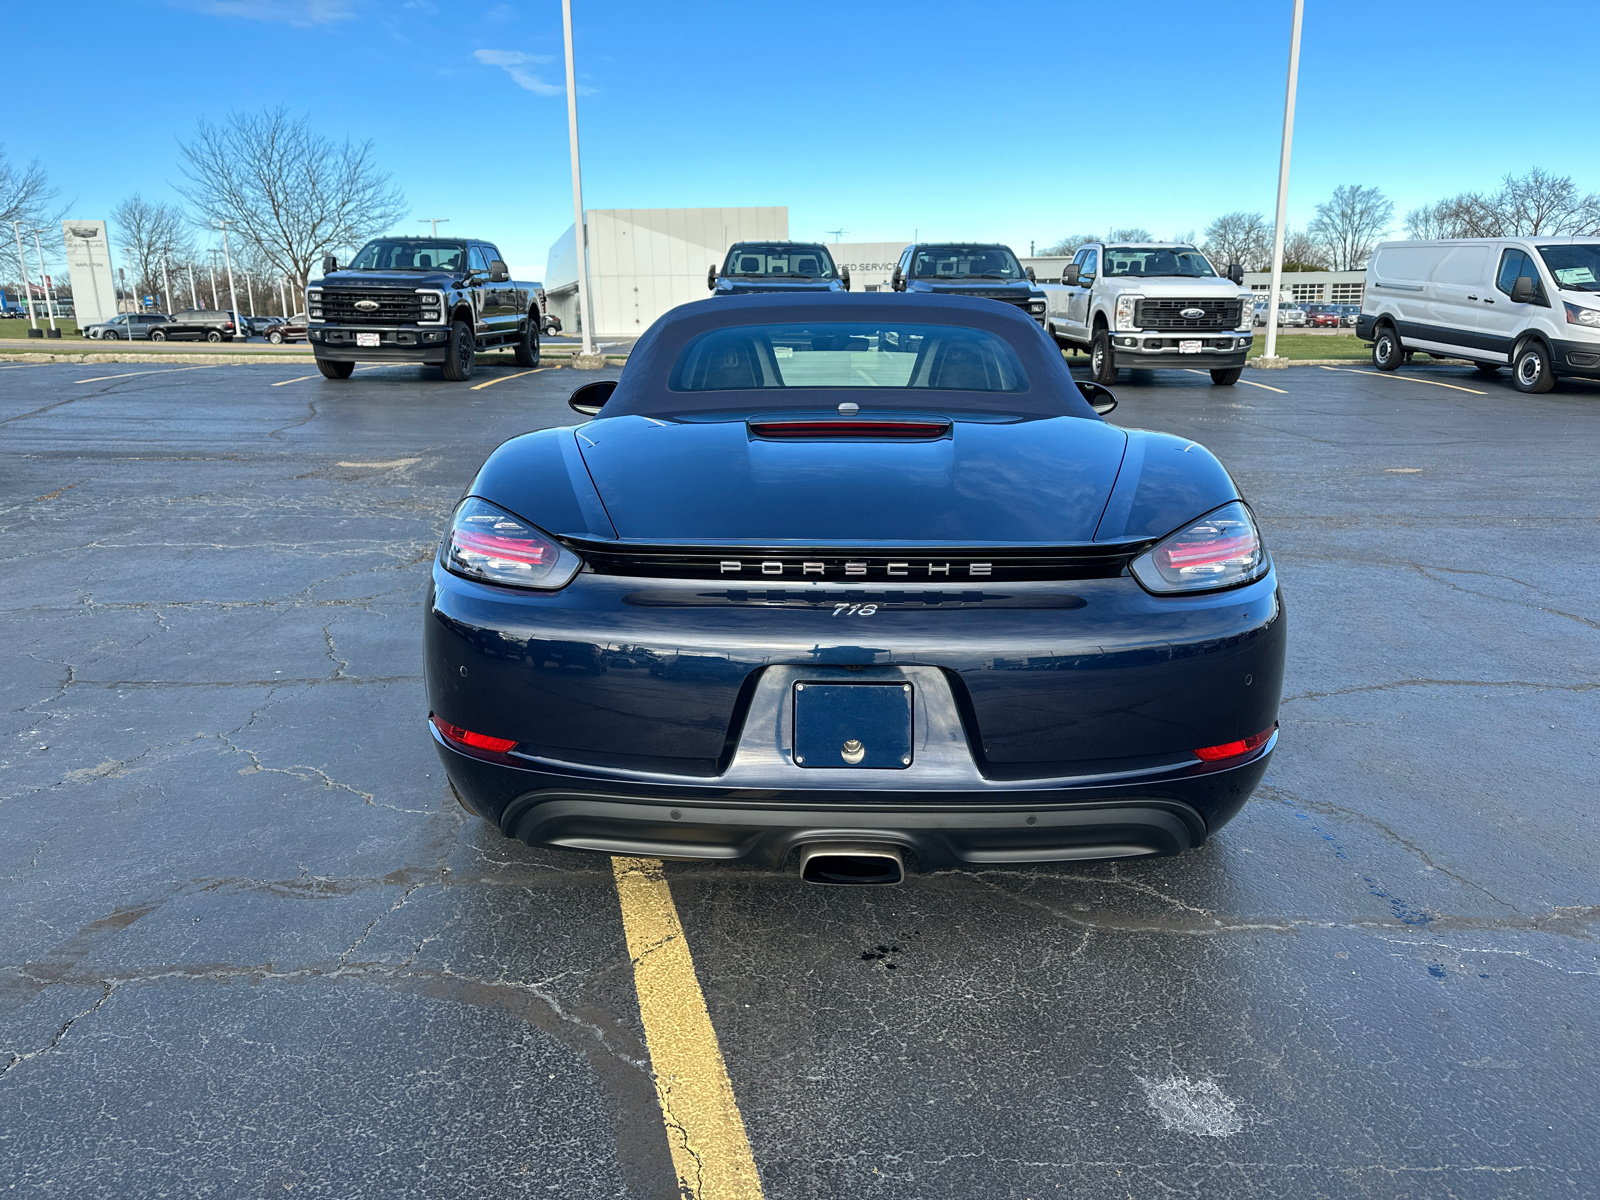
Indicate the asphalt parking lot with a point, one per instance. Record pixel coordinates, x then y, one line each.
252 947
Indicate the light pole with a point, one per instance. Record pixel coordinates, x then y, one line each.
578 232
1283 184
194 287
232 298
435 222
27 287
166 283
215 303
49 302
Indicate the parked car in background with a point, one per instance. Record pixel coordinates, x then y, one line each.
127 327
260 325
1288 314
1323 320
776 267
552 323
1348 313
197 325
1152 304
1530 302
984 270
292 330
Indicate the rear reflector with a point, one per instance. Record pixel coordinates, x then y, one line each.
465 737
1234 749
849 429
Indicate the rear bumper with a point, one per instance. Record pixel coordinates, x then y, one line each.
934 831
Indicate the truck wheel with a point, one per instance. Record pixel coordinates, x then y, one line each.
527 348
335 370
1228 377
461 357
1101 363
1386 349
1530 367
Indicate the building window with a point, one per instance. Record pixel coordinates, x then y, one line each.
871 287
1347 293
1306 291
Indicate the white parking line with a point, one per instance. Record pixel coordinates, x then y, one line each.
478 387
302 379
166 371
1412 378
1262 386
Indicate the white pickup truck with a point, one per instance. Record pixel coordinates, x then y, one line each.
1151 304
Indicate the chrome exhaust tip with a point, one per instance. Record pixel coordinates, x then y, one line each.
851 865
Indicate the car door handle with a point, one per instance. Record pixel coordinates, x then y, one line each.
1487 300
1470 297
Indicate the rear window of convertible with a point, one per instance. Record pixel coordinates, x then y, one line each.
848 355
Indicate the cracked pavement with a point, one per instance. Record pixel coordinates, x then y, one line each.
251 945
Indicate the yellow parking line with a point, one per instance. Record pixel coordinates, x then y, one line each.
710 1152
1411 378
1263 386
164 371
478 387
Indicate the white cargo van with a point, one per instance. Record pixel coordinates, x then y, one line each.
1532 302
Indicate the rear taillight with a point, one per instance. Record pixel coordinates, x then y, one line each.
1222 549
477 741
1235 749
488 544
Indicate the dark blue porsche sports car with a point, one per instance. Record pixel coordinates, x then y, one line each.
864 581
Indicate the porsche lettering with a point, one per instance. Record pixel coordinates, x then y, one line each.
898 568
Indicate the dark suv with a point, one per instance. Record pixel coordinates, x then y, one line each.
990 271
752 267
197 325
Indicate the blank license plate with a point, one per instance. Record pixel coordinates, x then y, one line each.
862 725
371 339
1189 347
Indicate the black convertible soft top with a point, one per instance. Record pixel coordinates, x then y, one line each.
647 386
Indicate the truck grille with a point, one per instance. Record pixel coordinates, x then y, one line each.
394 308
1168 314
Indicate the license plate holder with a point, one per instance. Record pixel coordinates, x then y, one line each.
1190 346
870 723
368 340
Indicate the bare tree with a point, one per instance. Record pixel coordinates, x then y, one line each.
1239 237
25 193
287 189
1302 252
1131 234
1430 221
1350 224
151 235
1536 203
1068 245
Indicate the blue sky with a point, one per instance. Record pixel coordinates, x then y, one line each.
1006 121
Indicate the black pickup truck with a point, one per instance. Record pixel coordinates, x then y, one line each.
424 300
752 267
970 269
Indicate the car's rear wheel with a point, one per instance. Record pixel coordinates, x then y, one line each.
157 335
1530 367
1228 377
335 370
459 359
1386 349
527 347
213 335
275 338
1101 363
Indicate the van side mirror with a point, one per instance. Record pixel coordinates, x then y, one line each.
592 397
1100 398
1522 291
711 278
1236 273
1028 271
330 264
844 277
1070 275
498 271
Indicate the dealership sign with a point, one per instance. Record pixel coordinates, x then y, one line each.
89 261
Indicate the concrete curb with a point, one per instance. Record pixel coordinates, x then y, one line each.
210 360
